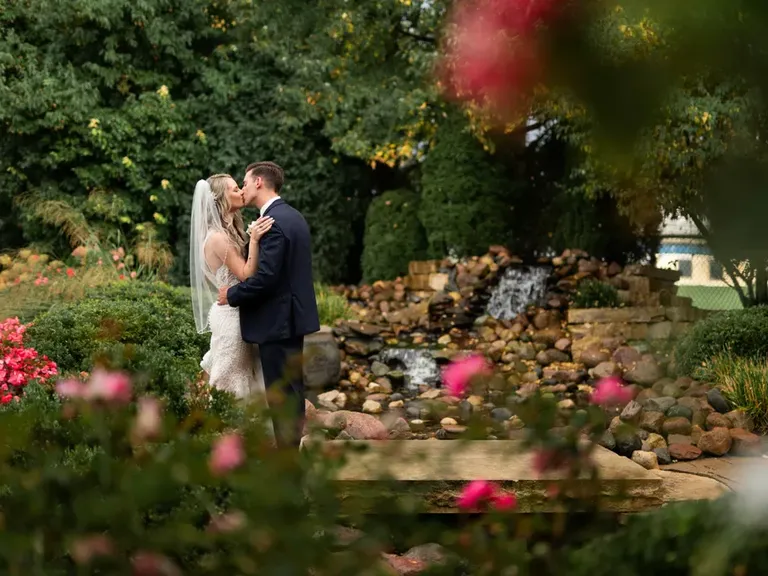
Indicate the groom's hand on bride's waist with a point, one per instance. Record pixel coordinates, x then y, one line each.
223 296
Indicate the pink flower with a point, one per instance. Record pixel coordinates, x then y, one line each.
228 522
504 501
457 375
6 398
479 493
227 454
475 493
70 389
133 274
85 549
610 391
149 418
109 386
152 564
70 272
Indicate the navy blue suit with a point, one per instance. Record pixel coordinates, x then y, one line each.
278 308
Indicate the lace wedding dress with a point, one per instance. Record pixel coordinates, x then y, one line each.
231 363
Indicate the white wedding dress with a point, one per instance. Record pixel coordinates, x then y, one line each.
231 363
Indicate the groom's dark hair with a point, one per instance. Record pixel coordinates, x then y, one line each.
270 172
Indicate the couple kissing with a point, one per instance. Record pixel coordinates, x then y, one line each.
252 290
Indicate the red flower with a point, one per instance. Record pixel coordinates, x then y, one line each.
479 493
610 391
458 375
70 272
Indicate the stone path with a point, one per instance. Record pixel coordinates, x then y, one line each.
729 470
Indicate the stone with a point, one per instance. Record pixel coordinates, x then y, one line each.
400 429
678 411
672 389
417 425
679 439
631 412
716 442
591 357
627 443
501 414
684 451
660 404
431 554
717 420
379 368
647 460
605 370
696 432
563 345
405 566
662 456
745 443
678 425
607 440
372 407
448 422
322 360
359 426
654 441
640 315
644 372
717 401
646 394
652 421
739 419
626 355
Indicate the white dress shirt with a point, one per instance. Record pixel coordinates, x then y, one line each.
267 204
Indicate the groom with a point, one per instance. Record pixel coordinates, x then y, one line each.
277 304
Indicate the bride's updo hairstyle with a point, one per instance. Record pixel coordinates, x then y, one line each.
232 220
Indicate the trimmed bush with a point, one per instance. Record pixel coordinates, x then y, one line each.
146 328
743 333
463 206
595 294
393 236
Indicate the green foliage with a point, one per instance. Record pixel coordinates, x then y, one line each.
742 333
330 305
144 328
595 294
393 236
462 199
744 382
697 538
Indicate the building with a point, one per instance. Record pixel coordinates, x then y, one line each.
683 249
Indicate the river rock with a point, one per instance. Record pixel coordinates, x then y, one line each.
647 460
431 554
717 401
652 421
372 407
631 412
605 370
379 368
644 372
626 356
678 425
716 442
739 419
678 411
717 420
359 426
592 357
322 360
660 404
628 442
684 451
662 455
654 441
745 443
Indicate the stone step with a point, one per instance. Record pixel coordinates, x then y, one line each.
434 472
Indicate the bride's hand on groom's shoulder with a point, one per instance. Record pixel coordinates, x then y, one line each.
259 227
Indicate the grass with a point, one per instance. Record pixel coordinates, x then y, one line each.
744 381
711 297
331 306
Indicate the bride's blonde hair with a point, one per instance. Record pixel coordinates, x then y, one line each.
233 221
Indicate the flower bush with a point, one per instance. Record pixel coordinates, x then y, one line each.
19 365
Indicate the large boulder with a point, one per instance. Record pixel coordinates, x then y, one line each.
322 360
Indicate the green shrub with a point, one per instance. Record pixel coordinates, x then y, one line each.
393 236
463 206
595 294
744 382
330 305
146 328
700 538
743 333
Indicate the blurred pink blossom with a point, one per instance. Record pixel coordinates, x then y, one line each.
153 564
458 375
504 501
109 386
227 522
610 391
227 454
70 389
84 549
149 418
478 493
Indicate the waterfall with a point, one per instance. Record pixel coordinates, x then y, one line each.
419 366
517 288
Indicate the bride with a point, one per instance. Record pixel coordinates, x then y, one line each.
217 258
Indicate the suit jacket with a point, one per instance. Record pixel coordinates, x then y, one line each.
278 302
